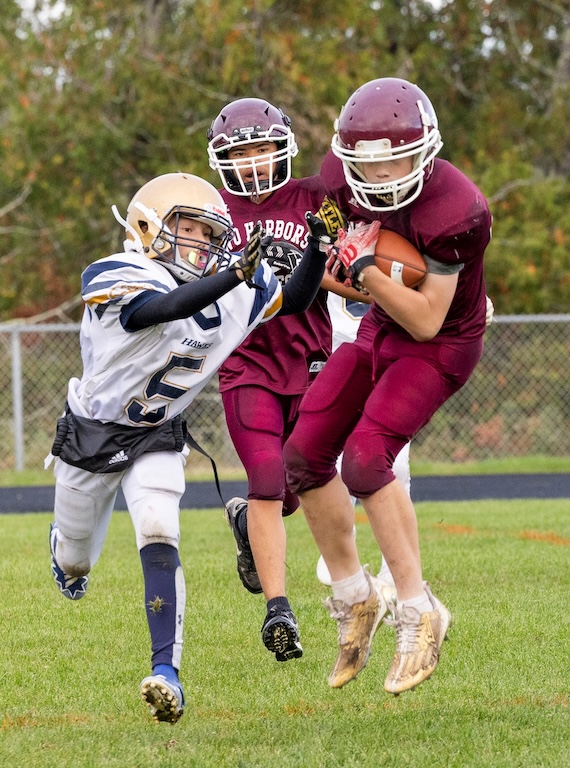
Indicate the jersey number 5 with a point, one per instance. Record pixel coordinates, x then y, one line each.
159 387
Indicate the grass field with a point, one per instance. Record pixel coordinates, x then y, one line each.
499 698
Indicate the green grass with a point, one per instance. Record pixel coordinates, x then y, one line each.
203 471
70 671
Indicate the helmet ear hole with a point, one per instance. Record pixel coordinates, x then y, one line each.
143 226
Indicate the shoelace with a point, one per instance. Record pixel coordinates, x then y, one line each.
344 615
407 628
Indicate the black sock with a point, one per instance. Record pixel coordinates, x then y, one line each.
282 602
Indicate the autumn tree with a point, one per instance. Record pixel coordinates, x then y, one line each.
98 96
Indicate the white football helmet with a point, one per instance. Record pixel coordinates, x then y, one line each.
250 121
386 119
152 224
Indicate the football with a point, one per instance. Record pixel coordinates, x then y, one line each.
399 259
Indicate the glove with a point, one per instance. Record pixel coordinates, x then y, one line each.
283 258
489 312
353 251
325 224
252 254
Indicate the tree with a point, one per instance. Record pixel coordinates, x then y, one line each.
98 97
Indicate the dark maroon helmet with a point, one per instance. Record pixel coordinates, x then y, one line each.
246 122
384 120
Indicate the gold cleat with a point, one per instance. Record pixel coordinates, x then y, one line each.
419 637
357 625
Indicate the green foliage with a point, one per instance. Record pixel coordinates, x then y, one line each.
98 97
534 271
499 697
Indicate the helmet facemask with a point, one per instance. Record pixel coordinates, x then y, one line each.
247 122
203 258
276 164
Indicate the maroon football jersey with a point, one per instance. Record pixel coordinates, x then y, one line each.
450 222
279 354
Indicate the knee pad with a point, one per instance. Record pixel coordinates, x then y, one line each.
266 476
366 464
296 466
156 519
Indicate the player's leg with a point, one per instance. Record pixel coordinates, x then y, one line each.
323 574
153 486
327 415
405 398
83 505
401 469
256 420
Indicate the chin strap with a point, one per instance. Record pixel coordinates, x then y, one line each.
138 242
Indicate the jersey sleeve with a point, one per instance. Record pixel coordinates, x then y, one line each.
120 283
454 221
439 268
268 296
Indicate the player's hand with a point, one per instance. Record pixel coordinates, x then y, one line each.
489 311
353 251
250 259
325 224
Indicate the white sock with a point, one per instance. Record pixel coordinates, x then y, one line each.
355 589
421 603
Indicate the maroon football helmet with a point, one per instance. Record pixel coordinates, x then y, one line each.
384 120
251 121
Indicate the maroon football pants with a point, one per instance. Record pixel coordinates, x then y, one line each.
259 423
369 401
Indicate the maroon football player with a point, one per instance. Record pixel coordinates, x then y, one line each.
415 348
251 145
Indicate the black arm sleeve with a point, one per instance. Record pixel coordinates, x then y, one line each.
300 290
183 301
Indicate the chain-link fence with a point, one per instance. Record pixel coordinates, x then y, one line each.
516 403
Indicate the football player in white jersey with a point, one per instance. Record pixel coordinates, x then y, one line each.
159 320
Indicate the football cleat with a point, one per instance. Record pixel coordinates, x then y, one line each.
245 562
419 637
357 625
164 696
280 634
72 587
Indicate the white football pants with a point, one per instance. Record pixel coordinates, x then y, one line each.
84 501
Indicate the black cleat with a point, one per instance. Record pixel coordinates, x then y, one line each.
280 634
245 562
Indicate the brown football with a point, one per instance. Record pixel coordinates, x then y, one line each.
399 259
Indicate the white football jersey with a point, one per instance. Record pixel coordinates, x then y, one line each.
145 377
345 318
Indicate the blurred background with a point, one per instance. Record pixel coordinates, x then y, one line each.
97 97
